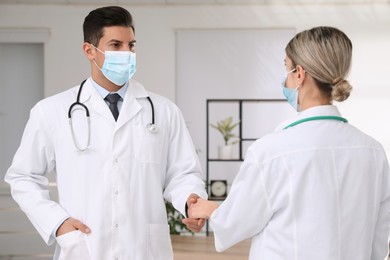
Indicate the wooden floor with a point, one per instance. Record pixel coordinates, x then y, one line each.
197 247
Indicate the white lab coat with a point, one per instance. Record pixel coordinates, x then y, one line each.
318 190
117 186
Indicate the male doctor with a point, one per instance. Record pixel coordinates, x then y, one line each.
114 172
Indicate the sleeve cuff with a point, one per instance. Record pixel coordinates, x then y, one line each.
186 210
53 233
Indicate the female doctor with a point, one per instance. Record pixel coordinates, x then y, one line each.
316 188
113 172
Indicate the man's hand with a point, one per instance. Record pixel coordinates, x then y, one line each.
72 224
193 224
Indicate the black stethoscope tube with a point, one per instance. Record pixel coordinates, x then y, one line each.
78 102
151 105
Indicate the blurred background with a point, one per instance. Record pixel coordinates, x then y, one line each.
191 51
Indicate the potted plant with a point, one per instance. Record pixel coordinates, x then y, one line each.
225 127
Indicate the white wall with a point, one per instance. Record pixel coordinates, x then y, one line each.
367 25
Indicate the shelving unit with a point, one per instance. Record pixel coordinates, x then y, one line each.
242 139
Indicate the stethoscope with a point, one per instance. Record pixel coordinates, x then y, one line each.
151 127
338 118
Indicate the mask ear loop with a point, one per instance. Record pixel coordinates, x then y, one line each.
97 48
94 61
97 65
99 51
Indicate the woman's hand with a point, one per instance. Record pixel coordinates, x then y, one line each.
202 209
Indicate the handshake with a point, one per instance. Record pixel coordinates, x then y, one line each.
198 211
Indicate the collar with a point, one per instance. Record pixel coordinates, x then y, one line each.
317 111
133 90
104 92
136 89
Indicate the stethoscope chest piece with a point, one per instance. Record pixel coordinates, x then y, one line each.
153 128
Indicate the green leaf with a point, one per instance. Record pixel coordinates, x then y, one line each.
225 127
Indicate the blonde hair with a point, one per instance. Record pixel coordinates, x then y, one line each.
325 53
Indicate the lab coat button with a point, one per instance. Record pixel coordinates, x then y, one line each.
116 225
116 192
115 160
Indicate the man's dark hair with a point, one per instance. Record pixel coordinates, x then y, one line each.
102 17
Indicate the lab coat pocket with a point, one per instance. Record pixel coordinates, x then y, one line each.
147 146
73 246
159 242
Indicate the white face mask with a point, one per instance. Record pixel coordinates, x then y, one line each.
118 66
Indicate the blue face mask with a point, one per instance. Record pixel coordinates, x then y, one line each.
291 94
118 66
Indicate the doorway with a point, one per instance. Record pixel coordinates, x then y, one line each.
21 86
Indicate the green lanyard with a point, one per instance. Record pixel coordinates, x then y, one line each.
339 118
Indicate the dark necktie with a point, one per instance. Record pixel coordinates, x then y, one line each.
113 100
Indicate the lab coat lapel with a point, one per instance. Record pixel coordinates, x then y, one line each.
91 98
131 106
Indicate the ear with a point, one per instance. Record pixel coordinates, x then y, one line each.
301 74
89 51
